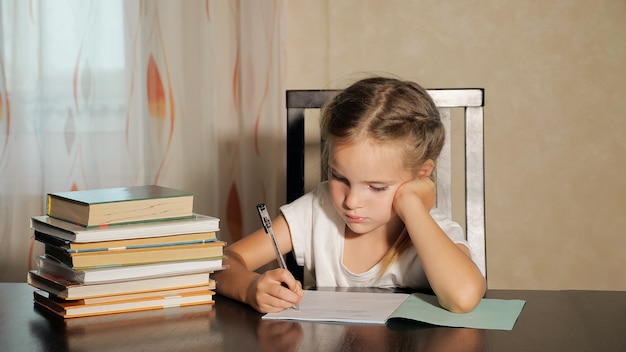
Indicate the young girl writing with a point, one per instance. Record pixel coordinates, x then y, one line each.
371 224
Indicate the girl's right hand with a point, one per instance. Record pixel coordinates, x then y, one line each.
274 291
419 191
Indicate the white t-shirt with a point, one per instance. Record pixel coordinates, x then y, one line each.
317 235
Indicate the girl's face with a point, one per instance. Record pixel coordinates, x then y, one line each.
363 179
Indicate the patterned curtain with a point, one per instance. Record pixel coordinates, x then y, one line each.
184 94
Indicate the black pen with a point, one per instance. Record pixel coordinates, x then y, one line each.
267 226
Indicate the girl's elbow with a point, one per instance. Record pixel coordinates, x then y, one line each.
463 305
465 300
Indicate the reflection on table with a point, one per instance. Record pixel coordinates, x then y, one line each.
550 320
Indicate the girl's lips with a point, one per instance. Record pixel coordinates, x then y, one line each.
354 218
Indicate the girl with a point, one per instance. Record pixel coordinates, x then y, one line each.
371 223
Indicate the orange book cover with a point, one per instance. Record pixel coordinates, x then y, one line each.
78 308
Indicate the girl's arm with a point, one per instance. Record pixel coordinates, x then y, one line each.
453 276
264 292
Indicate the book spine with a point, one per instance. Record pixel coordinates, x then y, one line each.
56 268
48 204
47 239
58 254
142 246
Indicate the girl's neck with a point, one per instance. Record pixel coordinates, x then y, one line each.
387 234
363 251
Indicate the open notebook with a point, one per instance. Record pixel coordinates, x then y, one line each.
382 308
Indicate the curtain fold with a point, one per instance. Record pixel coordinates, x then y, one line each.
94 94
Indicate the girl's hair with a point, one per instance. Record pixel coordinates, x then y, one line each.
385 110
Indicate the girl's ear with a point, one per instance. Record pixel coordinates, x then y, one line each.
426 169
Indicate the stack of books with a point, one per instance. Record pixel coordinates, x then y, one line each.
124 249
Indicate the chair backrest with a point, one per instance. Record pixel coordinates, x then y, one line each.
470 101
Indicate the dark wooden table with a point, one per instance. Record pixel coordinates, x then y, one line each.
550 321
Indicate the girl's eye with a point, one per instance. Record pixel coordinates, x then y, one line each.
338 178
379 188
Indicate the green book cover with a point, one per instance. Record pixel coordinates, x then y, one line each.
121 194
108 206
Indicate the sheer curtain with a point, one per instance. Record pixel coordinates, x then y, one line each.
93 94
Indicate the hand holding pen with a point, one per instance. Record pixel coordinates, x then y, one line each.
267 226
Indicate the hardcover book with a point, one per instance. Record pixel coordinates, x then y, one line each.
71 290
79 234
108 206
48 265
208 288
80 308
214 249
135 243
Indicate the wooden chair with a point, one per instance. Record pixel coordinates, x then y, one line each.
469 101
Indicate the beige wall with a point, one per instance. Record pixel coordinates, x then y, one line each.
554 74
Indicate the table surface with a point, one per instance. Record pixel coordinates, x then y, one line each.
550 321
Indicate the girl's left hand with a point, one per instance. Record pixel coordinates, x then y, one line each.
418 191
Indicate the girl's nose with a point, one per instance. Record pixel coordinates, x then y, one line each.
352 199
